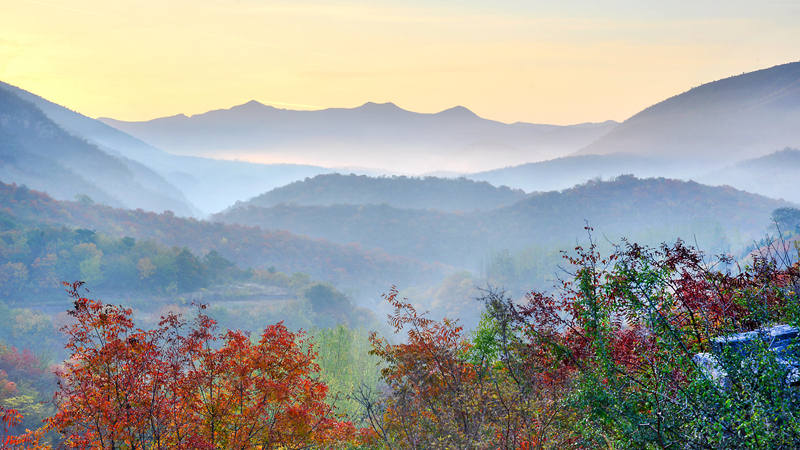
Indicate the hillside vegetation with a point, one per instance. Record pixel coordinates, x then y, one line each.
350 265
401 192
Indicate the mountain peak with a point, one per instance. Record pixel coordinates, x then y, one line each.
379 106
252 105
457 111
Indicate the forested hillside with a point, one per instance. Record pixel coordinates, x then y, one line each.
32 234
616 208
401 192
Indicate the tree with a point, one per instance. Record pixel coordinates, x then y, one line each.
444 395
183 385
786 219
84 199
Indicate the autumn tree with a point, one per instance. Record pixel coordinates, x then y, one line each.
447 389
185 385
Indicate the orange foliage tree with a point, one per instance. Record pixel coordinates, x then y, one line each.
444 392
185 385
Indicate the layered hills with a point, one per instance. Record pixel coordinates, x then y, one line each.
775 175
350 265
562 173
208 184
720 133
372 135
620 207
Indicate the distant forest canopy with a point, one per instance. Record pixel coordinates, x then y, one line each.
441 194
352 266
624 206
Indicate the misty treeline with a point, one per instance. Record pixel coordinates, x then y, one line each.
349 264
151 277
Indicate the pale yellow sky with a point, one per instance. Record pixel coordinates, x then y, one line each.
561 62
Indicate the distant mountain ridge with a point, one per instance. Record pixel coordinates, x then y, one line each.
442 194
563 173
208 185
35 151
776 175
371 135
715 124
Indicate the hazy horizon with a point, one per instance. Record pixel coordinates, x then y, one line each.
565 63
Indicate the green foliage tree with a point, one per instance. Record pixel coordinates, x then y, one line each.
786 219
329 305
346 366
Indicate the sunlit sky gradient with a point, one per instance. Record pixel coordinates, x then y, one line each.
561 62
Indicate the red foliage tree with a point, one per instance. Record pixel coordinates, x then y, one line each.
184 385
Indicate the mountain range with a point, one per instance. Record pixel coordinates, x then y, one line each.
624 206
379 136
35 151
739 131
724 132
203 185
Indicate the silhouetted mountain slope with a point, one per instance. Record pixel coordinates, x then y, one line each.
621 206
401 192
371 135
28 168
351 265
47 157
715 124
208 184
563 173
776 175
